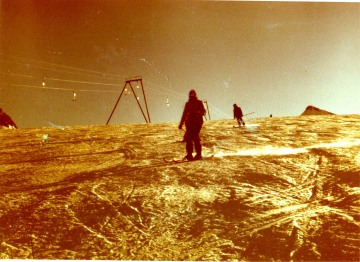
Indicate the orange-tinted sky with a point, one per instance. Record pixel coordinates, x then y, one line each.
268 57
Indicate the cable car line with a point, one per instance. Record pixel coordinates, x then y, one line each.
150 85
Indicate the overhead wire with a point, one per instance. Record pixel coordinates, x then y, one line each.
100 74
66 89
64 80
90 73
86 82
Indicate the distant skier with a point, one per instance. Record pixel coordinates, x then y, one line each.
5 120
193 118
238 114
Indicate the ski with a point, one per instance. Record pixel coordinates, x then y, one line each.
180 141
175 160
183 160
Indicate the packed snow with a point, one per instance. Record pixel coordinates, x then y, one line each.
281 188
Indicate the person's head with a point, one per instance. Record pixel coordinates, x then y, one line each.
192 93
234 105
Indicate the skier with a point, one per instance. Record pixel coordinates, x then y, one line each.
238 115
5 120
193 118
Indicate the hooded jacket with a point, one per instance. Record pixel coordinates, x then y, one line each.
193 113
237 112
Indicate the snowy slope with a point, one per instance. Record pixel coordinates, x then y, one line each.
279 189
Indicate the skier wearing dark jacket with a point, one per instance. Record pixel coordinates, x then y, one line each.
193 118
238 114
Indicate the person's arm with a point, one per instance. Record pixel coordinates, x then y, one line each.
183 117
202 109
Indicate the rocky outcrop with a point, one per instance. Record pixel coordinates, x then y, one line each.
312 110
6 121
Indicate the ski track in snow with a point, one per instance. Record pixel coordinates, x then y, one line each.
279 189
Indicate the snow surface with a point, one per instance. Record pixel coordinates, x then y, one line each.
282 188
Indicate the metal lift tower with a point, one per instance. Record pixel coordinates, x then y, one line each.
128 82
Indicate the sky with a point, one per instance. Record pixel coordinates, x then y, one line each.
268 57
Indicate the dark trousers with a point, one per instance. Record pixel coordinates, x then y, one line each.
192 137
240 121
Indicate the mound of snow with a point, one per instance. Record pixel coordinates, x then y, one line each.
312 110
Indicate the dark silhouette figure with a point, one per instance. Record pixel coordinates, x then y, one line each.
193 118
5 120
238 114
